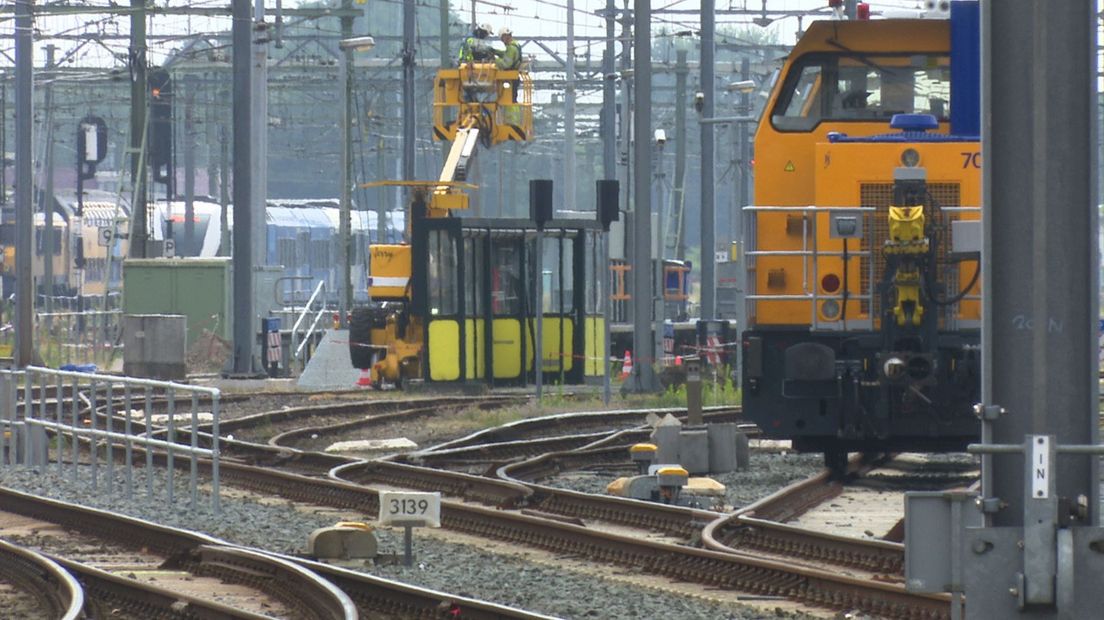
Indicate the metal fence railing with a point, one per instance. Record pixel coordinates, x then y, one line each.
49 414
307 322
76 330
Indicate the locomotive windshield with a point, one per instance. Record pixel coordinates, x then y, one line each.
859 87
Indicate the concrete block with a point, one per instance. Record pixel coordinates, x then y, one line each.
330 367
722 448
694 450
372 445
705 486
666 438
342 542
644 488
743 452
618 487
154 346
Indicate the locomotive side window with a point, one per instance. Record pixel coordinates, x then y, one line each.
854 87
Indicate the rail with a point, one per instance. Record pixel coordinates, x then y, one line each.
75 392
43 578
298 346
810 253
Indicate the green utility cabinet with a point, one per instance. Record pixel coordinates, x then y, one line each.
198 288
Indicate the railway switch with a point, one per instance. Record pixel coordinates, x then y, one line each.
643 454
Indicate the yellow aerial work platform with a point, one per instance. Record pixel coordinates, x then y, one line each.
498 102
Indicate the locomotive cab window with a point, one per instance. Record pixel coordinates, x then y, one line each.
853 87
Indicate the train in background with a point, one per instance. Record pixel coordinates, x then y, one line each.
87 251
301 236
862 251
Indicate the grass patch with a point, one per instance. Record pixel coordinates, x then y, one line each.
557 399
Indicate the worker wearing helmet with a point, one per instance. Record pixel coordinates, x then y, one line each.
476 47
510 57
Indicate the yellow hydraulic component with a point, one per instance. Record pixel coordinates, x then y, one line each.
403 348
643 448
906 231
390 269
358 525
907 238
908 310
499 102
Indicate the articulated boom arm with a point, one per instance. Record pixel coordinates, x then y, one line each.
460 155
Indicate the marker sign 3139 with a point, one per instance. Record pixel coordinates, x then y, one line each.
408 508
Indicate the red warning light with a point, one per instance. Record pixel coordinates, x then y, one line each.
862 11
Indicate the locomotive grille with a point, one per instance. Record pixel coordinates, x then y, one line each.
879 196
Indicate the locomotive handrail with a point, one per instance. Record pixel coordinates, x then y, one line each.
296 345
803 253
806 207
805 297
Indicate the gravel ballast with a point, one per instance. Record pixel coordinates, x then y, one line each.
463 569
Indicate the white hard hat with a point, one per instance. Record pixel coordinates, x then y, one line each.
505 31
487 28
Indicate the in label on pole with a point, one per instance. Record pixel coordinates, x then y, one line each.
1040 467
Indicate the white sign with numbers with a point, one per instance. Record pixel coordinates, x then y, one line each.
407 508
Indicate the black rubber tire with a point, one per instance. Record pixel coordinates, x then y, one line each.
360 333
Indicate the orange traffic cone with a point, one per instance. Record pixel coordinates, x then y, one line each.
626 366
365 379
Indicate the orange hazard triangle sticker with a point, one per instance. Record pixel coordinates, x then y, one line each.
789 166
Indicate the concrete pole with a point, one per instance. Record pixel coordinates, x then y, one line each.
139 219
626 138
708 196
345 68
743 196
259 153
851 8
569 112
210 129
678 201
409 55
224 190
24 182
643 377
48 191
381 192
189 159
657 252
609 94
243 187
447 59
4 138
607 311
1039 328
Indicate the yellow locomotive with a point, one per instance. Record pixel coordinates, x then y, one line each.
862 250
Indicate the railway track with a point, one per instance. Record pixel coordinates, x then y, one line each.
583 524
299 588
145 570
762 526
36 586
674 560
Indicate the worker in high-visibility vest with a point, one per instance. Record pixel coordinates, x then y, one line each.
475 47
510 57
